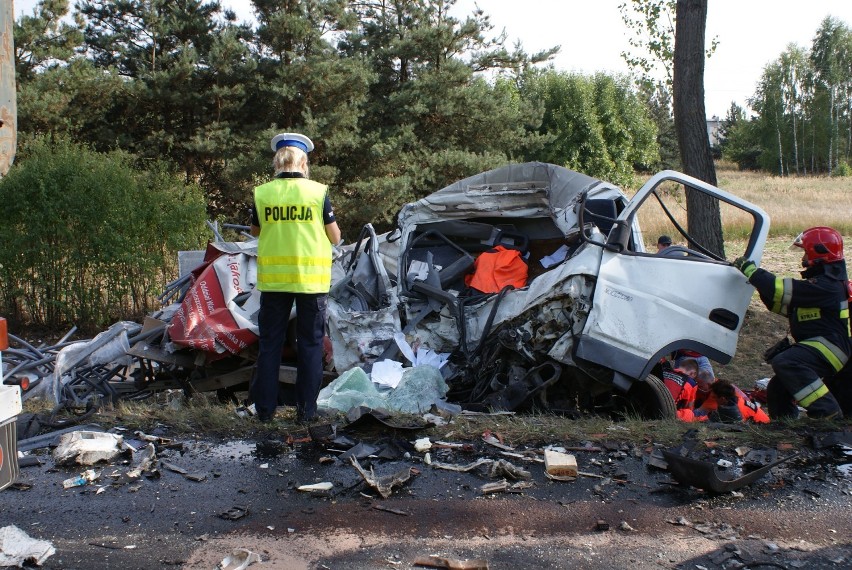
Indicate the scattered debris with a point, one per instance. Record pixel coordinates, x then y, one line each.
17 548
498 487
324 486
560 466
705 475
821 441
48 439
360 451
495 441
234 513
322 433
462 468
239 559
390 510
174 468
29 461
88 476
142 461
756 458
450 563
87 448
384 485
198 477
656 459
363 416
502 468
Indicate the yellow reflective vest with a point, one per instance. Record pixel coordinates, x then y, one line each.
293 251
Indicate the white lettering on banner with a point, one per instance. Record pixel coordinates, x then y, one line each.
234 266
230 336
207 300
196 300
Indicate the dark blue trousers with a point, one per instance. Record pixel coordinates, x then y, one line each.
796 368
273 321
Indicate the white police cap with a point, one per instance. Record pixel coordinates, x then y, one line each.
291 139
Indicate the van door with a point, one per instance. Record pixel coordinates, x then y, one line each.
646 305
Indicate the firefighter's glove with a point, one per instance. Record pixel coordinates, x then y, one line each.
745 265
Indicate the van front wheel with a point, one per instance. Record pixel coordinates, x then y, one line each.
650 399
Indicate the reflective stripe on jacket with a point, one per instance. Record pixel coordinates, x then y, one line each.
817 310
293 251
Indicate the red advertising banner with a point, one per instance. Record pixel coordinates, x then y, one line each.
218 313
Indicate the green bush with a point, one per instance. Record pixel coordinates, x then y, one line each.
843 169
87 238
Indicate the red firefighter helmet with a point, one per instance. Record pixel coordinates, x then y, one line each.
821 245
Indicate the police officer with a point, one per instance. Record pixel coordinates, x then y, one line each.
296 228
818 311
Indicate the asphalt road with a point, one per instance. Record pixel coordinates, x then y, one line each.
234 496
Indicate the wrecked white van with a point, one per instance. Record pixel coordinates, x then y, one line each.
595 315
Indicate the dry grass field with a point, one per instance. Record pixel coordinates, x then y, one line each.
793 204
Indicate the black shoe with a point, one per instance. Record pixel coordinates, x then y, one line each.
264 418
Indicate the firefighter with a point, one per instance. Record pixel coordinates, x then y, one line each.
818 312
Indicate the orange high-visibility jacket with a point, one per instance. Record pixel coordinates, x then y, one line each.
750 410
496 268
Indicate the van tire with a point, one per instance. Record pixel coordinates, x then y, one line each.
650 399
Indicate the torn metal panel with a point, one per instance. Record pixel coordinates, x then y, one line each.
529 190
706 475
362 313
359 336
384 485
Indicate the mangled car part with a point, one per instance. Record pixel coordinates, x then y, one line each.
706 474
597 312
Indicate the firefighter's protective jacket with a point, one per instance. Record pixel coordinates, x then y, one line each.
816 307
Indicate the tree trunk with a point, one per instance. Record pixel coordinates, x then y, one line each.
795 143
704 218
831 132
780 146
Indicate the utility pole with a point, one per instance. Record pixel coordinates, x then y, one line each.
8 99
